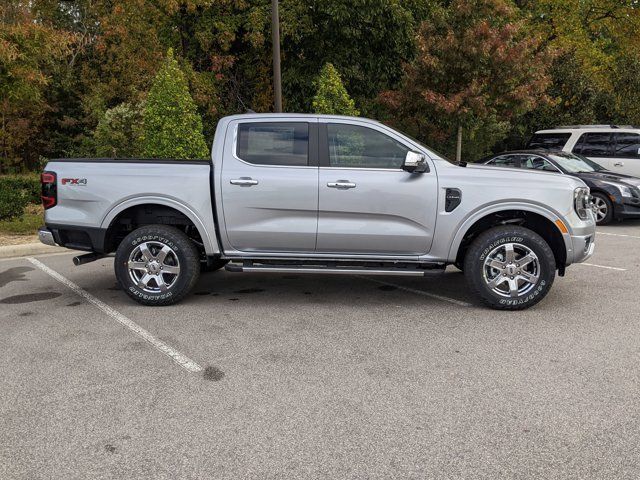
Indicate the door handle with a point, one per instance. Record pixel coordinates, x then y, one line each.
618 164
341 184
244 181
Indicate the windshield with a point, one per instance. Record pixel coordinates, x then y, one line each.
574 163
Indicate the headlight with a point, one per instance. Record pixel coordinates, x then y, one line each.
582 202
624 190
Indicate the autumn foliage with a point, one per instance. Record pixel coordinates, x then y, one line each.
73 74
477 66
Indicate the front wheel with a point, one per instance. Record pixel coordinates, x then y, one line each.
510 267
157 265
603 209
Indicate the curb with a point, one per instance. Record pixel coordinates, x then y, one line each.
26 249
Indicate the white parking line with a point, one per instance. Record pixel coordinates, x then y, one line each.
418 292
182 360
617 235
603 266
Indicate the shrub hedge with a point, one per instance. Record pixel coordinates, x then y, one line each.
16 192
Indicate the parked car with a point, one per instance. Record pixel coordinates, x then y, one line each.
615 147
615 195
318 194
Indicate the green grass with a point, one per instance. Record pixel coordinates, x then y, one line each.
27 224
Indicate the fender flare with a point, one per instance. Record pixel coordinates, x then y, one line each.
483 211
210 244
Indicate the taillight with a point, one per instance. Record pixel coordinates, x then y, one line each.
49 189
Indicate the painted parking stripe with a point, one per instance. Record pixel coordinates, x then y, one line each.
182 360
418 292
603 266
617 235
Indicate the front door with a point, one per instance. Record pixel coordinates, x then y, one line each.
270 186
367 203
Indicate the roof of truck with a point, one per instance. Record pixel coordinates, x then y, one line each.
244 116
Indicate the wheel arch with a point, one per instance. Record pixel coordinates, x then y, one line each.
535 218
154 208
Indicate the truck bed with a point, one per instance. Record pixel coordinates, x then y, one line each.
93 192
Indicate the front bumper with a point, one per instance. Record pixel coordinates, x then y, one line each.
627 208
46 237
583 247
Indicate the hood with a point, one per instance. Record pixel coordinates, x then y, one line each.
608 176
510 174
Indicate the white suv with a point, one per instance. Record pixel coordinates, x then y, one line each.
616 148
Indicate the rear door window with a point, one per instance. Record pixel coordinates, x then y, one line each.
626 145
594 144
274 143
551 141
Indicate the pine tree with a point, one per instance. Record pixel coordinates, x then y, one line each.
172 126
332 97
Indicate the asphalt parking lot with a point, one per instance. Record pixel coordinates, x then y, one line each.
296 376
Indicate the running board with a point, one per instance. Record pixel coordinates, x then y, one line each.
405 272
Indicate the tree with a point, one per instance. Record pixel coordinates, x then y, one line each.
29 52
331 96
594 76
477 67
119 132
172 127
366 40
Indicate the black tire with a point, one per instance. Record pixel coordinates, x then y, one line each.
606 203
493 244
213 265
183 257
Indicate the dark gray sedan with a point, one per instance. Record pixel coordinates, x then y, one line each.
615 195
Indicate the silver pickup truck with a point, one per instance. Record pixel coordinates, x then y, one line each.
318 194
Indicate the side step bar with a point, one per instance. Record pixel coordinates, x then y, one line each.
346 270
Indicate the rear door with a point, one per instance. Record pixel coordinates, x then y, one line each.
626 153
269 185
367 203
598 146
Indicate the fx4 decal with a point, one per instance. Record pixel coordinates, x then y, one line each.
74 181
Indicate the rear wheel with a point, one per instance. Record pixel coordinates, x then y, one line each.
157 265
509 267
603 209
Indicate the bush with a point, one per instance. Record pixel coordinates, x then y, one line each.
27 224
16 192
119 132
331 97
172 126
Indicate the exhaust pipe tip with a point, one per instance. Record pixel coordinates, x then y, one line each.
86 258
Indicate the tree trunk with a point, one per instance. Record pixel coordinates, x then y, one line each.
459 145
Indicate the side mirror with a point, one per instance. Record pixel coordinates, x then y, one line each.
415 162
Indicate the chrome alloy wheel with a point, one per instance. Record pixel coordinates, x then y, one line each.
600 208
153 267
511 269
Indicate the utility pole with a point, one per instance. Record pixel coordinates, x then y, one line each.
275 37
459 145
